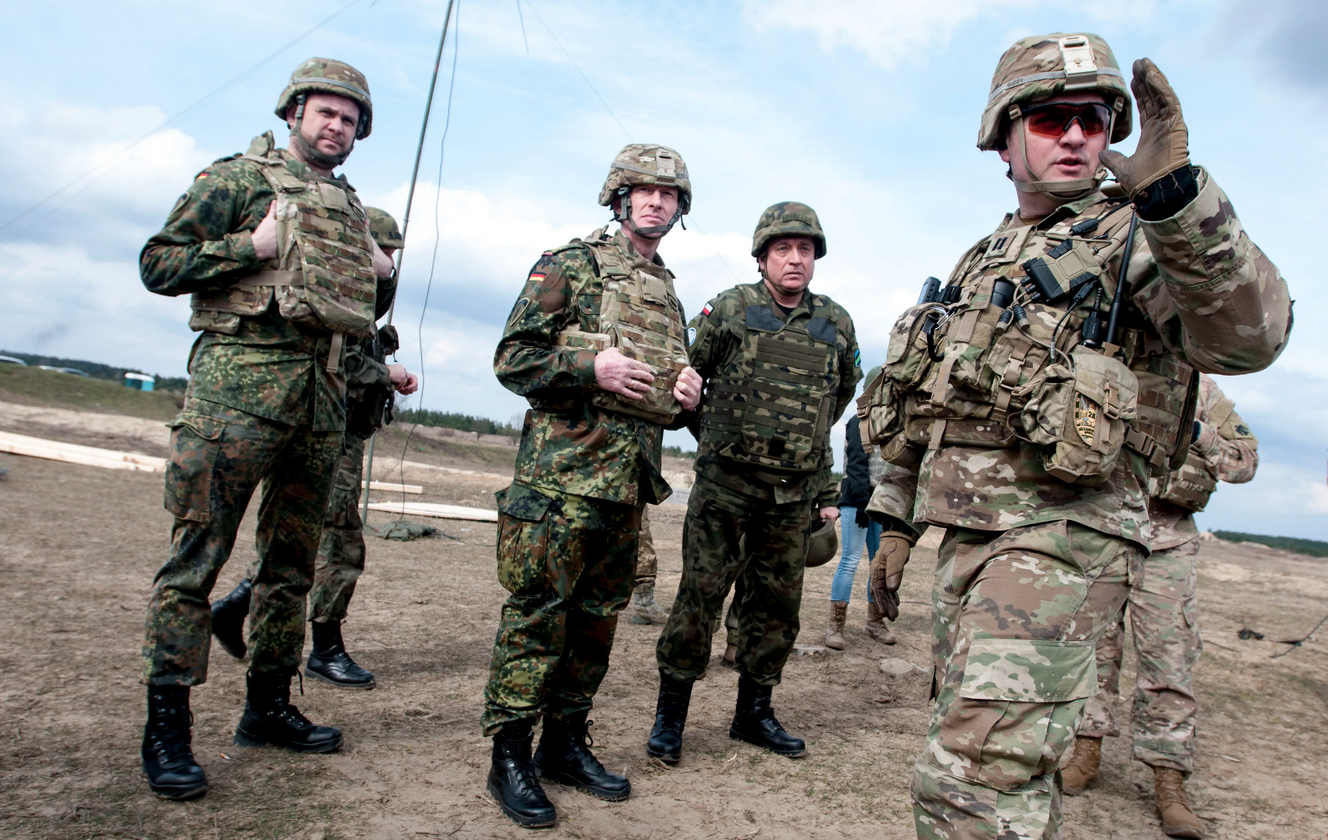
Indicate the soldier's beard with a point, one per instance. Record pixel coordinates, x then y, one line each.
313 155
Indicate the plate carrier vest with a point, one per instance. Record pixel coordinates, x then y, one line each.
323 275
964 371
641 316
771 405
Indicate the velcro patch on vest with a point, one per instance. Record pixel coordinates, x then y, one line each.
760 317
1006 246
822 329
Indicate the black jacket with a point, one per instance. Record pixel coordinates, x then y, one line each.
855 490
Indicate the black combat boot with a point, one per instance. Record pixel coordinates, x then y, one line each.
563 757
228 617
670 717
270 718
755 723
329 662
168 760
512 780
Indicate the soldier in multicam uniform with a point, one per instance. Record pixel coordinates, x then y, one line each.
1020 421
781 365
277 256
1164 617
370 382
596 345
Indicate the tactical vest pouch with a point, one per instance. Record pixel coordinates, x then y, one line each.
1189 487
1168 394
880 410
1079 413
784 412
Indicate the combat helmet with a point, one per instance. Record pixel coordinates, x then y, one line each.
646 163
1041 66
383 228
326 75
822 544
788 218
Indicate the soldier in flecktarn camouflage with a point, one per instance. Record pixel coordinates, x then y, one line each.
276 255
370 384
1024 410
1164 606
596 344
781 364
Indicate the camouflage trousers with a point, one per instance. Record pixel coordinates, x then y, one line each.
568 562
647 561
219 456
1164 617
341 548
775 543
1017 616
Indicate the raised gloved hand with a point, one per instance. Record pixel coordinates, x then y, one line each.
887 572
1163 138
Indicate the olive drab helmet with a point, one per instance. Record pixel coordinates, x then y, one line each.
823 544
788 218
383 228
326 75
1039 67
646 163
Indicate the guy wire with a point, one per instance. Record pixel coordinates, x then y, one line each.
405 226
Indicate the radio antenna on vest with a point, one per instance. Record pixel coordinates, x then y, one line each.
405 226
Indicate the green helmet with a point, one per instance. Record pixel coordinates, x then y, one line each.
383 228
788 218
325 75
646 163
822 544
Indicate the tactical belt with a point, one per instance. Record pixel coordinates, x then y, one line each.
275 277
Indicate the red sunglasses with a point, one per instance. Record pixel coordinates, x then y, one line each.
1052 119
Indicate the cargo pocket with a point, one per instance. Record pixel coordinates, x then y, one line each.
195 443
523 540
1016 708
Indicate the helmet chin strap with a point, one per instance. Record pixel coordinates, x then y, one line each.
1060 190
624 215
312 154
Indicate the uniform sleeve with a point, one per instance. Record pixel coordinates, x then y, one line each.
1227 443
207 243
850 372
526 361
710 342
1215 298
895 496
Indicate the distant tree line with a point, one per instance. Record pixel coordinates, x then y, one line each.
96 370
1313 548
454 420
679 452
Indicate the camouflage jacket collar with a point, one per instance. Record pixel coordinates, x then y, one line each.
803 309
1068 210
654 265
265 146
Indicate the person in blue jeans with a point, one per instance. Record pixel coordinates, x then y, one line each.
861 473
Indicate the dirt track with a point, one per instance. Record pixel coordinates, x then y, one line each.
79 546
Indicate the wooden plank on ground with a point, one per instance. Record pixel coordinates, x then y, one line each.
412 489
72 453
436 511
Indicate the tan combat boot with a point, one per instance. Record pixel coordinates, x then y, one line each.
1083 767
876 627
1173 806
643 609
834 635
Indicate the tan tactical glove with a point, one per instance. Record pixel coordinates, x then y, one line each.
887 572
1163 138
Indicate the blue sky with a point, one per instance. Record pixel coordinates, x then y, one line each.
868 111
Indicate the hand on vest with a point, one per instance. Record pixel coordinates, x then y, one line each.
383 264
620 375
887 573
265 235
688 389
1163 138
403 380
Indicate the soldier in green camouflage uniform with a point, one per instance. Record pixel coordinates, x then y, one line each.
1037 462
275 294
1164 607
595 343
781 363
370 382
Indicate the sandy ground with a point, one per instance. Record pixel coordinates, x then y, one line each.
79 547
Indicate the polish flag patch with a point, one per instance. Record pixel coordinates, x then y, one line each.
707 310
